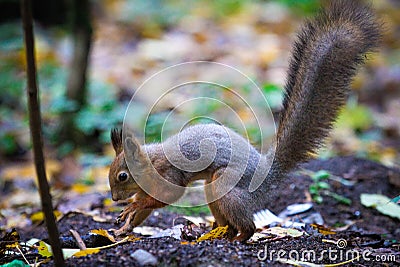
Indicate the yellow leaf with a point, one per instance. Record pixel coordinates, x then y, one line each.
27 171
39 216
88 251
83 253
322 229
10 240
44 250
108 202
133 238
80 188
104 233
187 243
216 233
12 245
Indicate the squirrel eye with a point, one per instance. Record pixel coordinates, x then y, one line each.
122 176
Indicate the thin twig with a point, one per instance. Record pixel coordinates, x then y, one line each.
35 124
78 239
20 251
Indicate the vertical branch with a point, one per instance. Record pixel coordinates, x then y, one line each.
36 134
81 32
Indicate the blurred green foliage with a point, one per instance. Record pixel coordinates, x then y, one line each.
101 113
303 7
356 116
320 188
103 109
274 95
168 12
156 14
190 211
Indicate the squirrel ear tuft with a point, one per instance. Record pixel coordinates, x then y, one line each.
116 140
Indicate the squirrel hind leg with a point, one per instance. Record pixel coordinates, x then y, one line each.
235 209
220 220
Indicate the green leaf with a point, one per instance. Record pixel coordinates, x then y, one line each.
382 203
313 189
323 185
339 198
44 249
318 199
320 175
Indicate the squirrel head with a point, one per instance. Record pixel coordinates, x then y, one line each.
122 182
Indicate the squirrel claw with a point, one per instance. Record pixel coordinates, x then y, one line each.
127 227
128 211
121 231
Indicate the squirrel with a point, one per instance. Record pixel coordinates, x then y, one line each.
324 59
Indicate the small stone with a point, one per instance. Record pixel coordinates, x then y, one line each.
144 258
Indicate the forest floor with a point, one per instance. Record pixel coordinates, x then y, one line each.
374 236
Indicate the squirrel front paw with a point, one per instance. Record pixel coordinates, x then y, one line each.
121 231
127 227
128 211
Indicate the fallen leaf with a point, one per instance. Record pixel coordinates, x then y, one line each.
216 233
83 253
27 171
187 243
283 232
44 250
9 241
104 233
39 216
382 203
80 188
147 230
174 232
132 238
322 229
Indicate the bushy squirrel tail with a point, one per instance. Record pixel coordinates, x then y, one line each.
324 60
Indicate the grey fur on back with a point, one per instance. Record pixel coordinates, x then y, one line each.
231 150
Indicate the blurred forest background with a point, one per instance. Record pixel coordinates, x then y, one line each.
124 42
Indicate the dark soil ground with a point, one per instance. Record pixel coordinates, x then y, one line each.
372 231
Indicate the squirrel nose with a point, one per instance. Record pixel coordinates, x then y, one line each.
114 198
